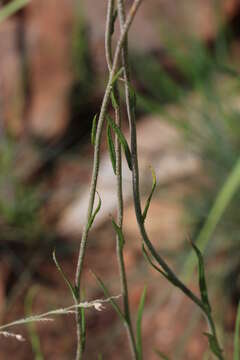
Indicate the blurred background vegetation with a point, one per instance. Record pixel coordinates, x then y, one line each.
185 67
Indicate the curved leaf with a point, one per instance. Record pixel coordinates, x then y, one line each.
94 129
111 148
139 324
122 140
70 286
92 218
201 279
107 294
154 184
119 233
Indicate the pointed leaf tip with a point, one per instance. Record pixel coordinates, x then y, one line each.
139 323
202 279
68 283
154 184
122 140
92 218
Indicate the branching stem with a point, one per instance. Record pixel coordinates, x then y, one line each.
135 182
95 171
119 247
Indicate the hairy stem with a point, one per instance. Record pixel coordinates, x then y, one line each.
135 170
122 270
136 189
95 171
119 248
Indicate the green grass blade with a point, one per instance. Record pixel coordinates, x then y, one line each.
119 234
223 199
112 301
10 9
111 148
68 283
95 212
122 140
236 355
154 184
94 129
202 279
139 324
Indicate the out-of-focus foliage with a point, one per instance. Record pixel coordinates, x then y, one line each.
82 64
19 202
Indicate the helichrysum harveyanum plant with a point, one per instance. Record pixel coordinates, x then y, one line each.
119 75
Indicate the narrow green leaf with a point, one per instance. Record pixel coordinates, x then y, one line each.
213 344
119 234
122 140
139 324
236 355
114 100
114 18
116 76
94 129
154 184
201 279
10 9
167 276
148 259
111 148
112 301
92 218
133 98
161 355
70 286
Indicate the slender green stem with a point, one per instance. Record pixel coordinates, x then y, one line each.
135 171
136 189
119 248
95 171
122 270
108 35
